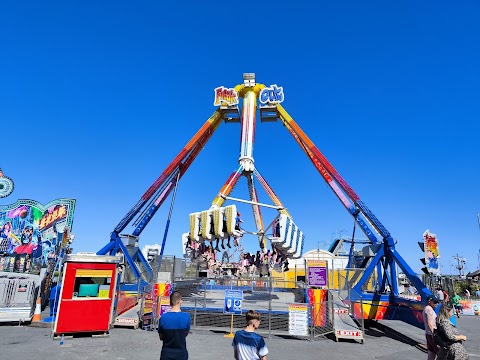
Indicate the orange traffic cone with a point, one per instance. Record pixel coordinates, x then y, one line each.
37 316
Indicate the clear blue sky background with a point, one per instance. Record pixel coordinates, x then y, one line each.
96 99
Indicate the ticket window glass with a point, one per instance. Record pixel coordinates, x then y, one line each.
92 284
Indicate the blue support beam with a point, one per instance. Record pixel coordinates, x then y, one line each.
368 271
107 248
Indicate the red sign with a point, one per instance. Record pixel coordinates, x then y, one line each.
340 311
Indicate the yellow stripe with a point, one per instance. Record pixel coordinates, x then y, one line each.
93 273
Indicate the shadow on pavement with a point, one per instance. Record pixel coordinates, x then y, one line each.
376 329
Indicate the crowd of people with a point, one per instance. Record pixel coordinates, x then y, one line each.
260 263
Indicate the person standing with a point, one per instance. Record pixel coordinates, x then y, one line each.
456 304
440 295
446 297
173 329
453 348
248 345
411 289
429 318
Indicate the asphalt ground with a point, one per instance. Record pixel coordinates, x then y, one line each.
383 340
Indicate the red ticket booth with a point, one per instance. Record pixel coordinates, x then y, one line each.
88 293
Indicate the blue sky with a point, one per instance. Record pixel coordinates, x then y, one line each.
96 99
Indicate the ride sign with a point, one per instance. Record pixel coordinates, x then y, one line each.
298 319
233 302
225 96
271 95
317 273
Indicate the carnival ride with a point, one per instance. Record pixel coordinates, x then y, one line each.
379 255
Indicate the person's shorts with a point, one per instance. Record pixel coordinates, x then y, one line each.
458 307
431 346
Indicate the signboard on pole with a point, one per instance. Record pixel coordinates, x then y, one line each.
432 254
233 302
298 319
317 273
164 305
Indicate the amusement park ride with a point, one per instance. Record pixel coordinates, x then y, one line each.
379 255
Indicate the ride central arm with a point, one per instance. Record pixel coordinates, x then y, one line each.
248 129
339 186
227 188
178 166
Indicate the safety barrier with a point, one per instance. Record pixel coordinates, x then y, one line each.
322 318
204 299
18 294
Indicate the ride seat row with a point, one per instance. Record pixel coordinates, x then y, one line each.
290 239
214 223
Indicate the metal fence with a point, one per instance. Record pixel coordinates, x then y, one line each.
204 299
322 318
206 302
17 291
17 298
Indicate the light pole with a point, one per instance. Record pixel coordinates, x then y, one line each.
460 263
338 233
478 219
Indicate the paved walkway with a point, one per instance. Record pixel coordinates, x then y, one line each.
389 340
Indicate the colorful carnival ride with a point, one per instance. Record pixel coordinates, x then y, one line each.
379 256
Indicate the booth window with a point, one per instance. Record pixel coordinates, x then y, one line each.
91 284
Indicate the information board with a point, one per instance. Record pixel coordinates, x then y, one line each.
317 273
298 319
164 305
233 302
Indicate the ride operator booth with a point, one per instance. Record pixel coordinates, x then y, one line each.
88 294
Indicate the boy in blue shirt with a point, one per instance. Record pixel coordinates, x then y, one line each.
173 329
248 345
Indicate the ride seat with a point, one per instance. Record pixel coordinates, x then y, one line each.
194 226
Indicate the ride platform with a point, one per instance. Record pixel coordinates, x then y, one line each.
343 323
